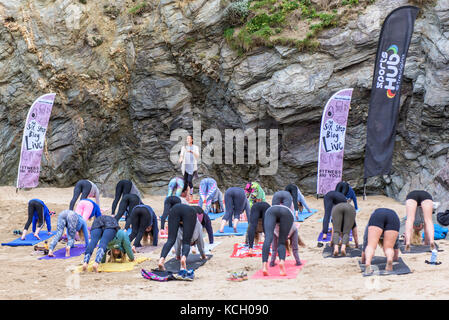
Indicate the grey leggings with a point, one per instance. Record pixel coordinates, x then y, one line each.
283 216
282 197
235 201
343 219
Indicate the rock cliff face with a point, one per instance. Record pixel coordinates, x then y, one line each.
125 82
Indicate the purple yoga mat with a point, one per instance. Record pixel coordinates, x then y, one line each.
60 254
329 234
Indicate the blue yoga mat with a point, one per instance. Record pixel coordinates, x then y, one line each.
214 216
30 239
304 215
229 231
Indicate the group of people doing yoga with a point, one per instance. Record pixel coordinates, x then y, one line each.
186 222
382 228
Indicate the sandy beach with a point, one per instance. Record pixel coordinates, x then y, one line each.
26 277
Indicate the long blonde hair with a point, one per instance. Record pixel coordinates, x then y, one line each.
81 235
113 258
147 234
288 244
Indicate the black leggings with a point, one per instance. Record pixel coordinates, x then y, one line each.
342 187
419 196
168 204
82 188
128 202
386 219
282 198
235 202
123 187
188 181
293 190
283 216
35 206
257 212
186 214
330 199
141 218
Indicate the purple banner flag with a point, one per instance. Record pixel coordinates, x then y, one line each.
332 141
33 141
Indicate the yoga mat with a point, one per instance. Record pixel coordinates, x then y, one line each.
399 267
30 239
60 254
228 231
302 216
241 251
114 266
214 216
329 234
149 248
350 252
417 249
194 261
163 234
291 269
194 201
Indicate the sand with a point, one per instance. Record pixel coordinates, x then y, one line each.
26 277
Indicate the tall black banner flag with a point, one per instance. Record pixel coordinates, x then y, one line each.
383 111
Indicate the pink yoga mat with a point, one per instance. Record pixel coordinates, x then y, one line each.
290 267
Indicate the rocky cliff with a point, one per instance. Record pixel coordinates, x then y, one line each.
125 81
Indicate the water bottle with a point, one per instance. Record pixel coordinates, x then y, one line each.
433 258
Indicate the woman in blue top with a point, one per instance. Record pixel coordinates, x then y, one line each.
74 223
349 193
37 210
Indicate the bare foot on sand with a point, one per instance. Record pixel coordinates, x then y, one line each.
282 268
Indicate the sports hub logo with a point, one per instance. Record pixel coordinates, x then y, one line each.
390 71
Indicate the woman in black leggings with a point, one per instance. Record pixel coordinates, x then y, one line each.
179 214
383 223
169 203
257 214
123 187
415 199
87 189
235 203
279 213
330 200
127 204
143 221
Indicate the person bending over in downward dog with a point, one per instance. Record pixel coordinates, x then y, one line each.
180 214
257 194
209 193
169 203
86 189
291 245
195 239
383 228
257 217
205 222
127 204
175 187
415 199
349 193
343 220
235 202
119 248
88 209
281 212
330 200
74 223
37 212
298 198
122 188
103 230
143 224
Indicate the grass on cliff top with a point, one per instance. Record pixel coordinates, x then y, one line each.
294 23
